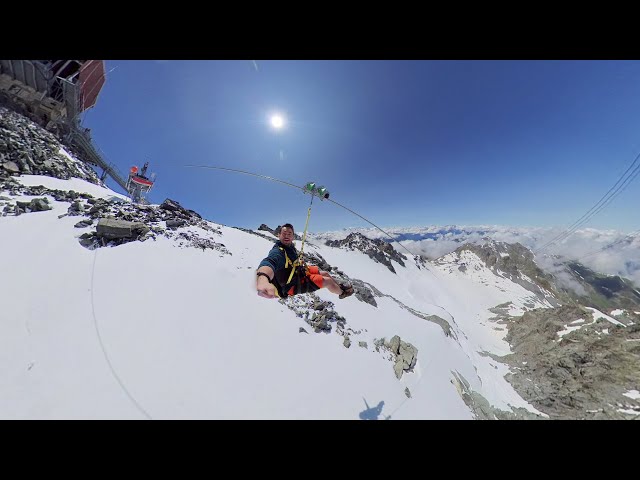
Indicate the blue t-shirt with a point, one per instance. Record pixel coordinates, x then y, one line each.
276 258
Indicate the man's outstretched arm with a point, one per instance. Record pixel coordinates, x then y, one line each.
265 288
274 261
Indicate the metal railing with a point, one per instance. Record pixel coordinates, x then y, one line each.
79 140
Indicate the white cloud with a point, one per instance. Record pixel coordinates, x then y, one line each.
559 271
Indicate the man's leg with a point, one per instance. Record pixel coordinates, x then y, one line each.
330 283
343 292
327 281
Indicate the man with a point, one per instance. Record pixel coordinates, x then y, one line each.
274 272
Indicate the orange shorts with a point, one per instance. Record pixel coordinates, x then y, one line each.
315 276
315 283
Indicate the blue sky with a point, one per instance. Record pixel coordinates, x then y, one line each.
403 143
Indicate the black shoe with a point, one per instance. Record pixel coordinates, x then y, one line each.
347 290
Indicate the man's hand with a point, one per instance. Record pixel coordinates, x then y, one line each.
265 289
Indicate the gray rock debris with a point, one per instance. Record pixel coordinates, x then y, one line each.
176 223
76 208
11 167
319 314
581 375
406 355
35 205
112 229
25 147
84 223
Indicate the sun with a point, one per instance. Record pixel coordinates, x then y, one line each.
277 121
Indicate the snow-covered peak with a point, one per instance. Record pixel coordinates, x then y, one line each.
377 249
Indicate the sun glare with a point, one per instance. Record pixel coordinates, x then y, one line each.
277 121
